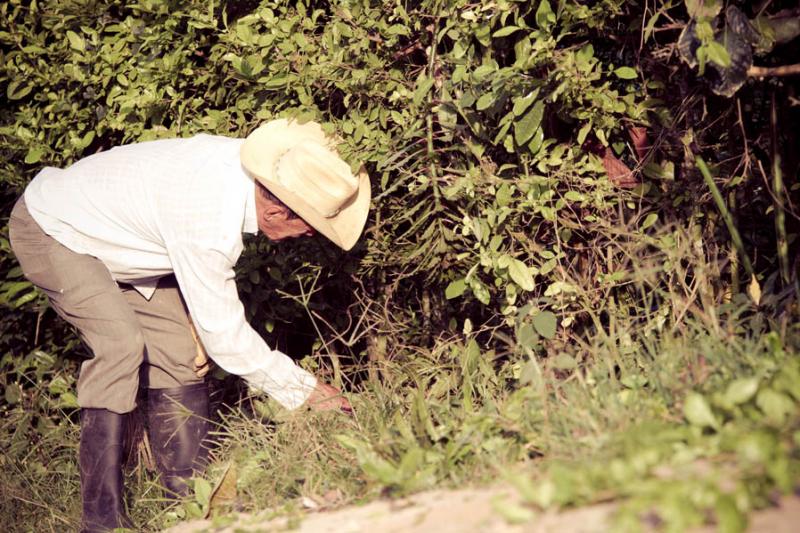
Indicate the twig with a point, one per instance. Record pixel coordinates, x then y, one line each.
305 300
783 70
746 156
763 7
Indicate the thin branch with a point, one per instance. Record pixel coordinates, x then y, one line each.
783 70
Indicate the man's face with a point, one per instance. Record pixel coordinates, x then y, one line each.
285 225
277 221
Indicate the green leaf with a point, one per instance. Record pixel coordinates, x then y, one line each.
527 336
757 446
455 289
202 491
698 412
17 90
485 101
545 17
370 462
649 220
483 72
528 124
523 103
545 324
423 87
193 510
25 298
481 292
536 143
34 155
729 518
740 391
626 73
82 142
521 274
775 405
68 400
12 289
703 8
76 42
717 53
583 132
508 30
13 393
564 362
559 287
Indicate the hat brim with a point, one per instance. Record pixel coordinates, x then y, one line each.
259 155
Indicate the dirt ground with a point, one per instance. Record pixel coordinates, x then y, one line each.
464 511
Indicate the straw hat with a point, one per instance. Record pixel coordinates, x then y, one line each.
299 164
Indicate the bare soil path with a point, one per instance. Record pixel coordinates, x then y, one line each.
480 510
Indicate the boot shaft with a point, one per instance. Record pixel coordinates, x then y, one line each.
100 461
178 427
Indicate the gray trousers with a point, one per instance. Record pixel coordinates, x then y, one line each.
133 340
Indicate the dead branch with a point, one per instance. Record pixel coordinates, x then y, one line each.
783 70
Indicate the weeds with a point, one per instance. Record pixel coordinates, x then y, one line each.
687 425
680 426
683 416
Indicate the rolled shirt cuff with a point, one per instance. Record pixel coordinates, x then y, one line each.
284 381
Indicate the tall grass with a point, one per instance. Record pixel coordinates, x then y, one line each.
596 414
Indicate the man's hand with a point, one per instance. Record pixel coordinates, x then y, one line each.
326 397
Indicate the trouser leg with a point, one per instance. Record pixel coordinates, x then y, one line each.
170 346
177 398
82 291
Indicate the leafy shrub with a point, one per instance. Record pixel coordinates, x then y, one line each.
499 234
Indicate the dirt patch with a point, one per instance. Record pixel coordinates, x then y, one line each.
440 511
485 510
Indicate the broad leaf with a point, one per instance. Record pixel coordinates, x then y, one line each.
528 124
545 324
521 274
76 42
455 289
698 412
626 73
545 17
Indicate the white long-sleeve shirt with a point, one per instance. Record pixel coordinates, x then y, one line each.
177 205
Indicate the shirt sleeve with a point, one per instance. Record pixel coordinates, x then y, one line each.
206 278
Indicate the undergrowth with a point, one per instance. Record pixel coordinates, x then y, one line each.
685 427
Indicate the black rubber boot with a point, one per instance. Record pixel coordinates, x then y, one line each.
177 420
100 459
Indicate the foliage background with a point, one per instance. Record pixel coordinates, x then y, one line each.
502 256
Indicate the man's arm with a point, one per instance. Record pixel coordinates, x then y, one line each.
206 279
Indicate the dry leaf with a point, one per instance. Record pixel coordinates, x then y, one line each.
641 143
224 494
754 290
618 172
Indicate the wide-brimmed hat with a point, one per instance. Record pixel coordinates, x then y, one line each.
299 164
